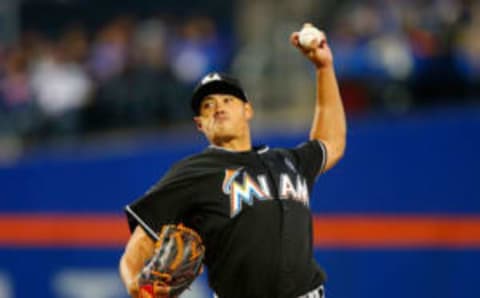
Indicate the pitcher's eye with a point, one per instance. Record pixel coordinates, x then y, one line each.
207 105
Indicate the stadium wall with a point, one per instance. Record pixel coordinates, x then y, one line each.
398 217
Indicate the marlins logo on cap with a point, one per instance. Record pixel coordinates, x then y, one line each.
219 83
211 77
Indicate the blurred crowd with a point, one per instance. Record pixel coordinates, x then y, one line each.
399 55
139 72
392 57
127 73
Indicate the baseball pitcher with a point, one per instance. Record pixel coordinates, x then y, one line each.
240 210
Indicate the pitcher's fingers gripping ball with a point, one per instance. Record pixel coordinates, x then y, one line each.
312 42
176 262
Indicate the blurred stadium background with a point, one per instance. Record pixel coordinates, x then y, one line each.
94 107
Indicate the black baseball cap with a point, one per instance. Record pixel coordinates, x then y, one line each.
216 82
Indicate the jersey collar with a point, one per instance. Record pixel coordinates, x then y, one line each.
258 149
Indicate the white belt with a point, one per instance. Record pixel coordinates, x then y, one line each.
315 293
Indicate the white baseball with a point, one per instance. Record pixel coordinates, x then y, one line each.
310 37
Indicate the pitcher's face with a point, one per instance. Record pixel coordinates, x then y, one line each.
223 117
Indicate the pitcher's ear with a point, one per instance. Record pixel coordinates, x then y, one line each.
249 111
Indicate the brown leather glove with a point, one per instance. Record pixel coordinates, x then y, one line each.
176 262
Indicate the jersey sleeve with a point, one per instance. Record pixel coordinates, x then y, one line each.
311 158
165 203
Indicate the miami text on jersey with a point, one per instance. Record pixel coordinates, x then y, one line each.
242 188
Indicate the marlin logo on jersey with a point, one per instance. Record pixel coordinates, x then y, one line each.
242 188
239 192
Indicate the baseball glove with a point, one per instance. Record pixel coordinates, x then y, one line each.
176 262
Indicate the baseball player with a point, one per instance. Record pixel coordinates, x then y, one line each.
250 205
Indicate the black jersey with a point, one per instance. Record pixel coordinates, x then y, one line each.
251 209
